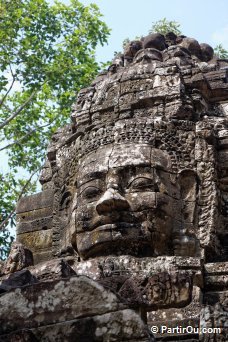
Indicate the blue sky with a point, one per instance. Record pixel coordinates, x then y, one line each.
205 20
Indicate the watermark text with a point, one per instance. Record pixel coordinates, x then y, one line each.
163 329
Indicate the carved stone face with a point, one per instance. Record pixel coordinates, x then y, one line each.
126 203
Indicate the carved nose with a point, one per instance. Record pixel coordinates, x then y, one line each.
111 200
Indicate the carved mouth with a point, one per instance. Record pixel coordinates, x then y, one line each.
115 220
131 246
117 226
117 239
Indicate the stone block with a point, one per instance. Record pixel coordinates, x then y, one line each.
114 326
42 255
38 201
41 223
216 268
216 282
36 240
52 270
17 279
34 214
54 302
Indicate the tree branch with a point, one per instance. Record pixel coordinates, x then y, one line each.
12 116
5 222
11 86
6 107
19 141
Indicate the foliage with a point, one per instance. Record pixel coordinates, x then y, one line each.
164 26
221 52
5 242
127 41
47 54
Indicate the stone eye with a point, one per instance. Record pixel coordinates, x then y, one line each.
90 192
142 184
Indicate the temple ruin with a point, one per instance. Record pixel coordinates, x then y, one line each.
130 231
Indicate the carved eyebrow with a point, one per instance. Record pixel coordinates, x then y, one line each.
92 176
98 183
86 187
146 177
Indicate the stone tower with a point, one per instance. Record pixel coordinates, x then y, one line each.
134 205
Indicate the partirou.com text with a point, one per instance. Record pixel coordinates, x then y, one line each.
163 329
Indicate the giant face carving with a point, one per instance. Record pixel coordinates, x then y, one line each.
127 202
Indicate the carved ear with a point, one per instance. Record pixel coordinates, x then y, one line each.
188 181
65 200
186 242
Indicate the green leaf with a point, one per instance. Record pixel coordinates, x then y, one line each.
164 26
221 52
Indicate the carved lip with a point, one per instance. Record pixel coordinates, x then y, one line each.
138 246
117 226
115 219
116 238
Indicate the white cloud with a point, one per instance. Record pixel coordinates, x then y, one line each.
221 37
